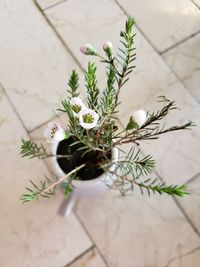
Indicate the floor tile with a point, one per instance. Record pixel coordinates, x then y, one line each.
191 204
184 60
137 231
90 259
165 23
34 66
34 234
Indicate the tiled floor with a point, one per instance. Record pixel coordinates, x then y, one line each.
39 47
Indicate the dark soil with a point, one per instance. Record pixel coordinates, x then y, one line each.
91 159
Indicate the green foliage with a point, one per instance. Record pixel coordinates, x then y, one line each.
45 189
134 164
91 85
48 187
108 100
33 150
156 186
153 128
68 109
131 124
73 84
126 55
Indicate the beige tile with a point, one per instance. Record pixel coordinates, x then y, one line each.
137 231
191 258
34 66
48 3
191 204
90 259
184 60
31 234
165 23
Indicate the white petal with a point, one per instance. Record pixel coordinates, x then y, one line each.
93 114
107 45
139 117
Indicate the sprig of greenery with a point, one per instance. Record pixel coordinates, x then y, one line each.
33 150
156 186
91 85
108 100
134 164
47 187
73 84
152 128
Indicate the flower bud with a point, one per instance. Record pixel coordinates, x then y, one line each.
107 45
88 49
108 48
139 117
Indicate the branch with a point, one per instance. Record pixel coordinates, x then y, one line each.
47 187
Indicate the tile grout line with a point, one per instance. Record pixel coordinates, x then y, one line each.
90 237
180 207
180 42
193 178
80 255
53 5
148 40
177 203
14 108
57 34
158 53
195 4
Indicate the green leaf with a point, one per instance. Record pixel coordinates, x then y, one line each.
131 124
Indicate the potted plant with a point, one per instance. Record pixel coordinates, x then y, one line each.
85 151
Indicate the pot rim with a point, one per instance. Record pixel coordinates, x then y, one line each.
86 183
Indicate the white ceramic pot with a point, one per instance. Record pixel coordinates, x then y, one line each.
83 188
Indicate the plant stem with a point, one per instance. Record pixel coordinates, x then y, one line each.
52 186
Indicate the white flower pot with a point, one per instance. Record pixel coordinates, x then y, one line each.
83 188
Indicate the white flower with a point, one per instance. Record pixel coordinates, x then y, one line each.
139 117
107 45
88 118
77 105
54 132
88 49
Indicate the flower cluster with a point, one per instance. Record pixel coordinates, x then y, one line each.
88 118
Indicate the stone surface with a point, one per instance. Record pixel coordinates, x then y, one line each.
90 259
31 234
191 204
184 60
49 3
137 231
165 23
34 65
191 258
